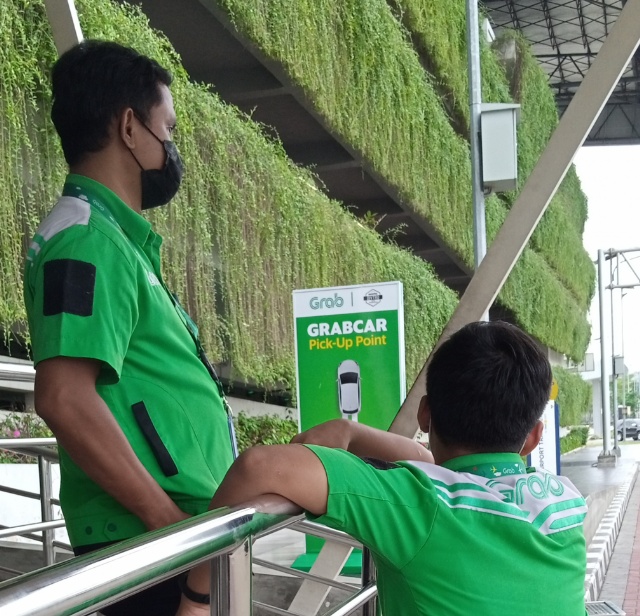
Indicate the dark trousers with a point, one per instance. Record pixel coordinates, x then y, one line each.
159 600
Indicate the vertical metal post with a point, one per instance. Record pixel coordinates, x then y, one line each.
614 374
625 383
46 510
605 458
368 575
614 410
220 586
475 102
231 582
241 587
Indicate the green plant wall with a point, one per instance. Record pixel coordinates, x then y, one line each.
438 31
390 109
248 225
574 396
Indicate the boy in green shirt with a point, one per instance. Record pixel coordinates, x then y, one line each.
465 529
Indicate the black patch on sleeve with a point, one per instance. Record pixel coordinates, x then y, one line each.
161 453
381 465
69 287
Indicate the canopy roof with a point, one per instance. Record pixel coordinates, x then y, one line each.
566 35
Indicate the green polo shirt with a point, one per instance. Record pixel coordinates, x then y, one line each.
478 535
93 289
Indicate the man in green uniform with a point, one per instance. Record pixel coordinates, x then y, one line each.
121 377
476 532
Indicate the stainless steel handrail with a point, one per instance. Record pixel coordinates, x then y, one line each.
87 583
353 603
32 447
41 449
350 605
30 528
304 575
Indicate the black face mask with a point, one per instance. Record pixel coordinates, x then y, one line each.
159 186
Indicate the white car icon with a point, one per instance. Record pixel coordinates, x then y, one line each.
349 388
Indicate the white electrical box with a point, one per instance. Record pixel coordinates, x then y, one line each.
499 146
618 365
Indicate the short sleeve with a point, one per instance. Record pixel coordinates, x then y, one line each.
389 508
81 296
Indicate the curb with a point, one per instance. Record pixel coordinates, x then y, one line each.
566 453
601 547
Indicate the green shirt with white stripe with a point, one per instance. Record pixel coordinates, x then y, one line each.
480 535
93 289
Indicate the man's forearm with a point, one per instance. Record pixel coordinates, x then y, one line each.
290 471
85 427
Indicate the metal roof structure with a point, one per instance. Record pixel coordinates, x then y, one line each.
566 36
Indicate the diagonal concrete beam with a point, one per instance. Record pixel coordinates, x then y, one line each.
570 134
63 18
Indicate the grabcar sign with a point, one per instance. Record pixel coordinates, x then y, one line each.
349 364
350 353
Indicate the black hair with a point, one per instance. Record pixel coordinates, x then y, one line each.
487 386
92 84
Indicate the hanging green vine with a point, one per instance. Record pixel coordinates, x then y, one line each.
248 225
574 396
29 156
386 106
438 30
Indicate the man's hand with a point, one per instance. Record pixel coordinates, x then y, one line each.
67 400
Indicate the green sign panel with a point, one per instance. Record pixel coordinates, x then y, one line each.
350 353
349 364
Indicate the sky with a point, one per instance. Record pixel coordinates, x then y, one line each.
610 178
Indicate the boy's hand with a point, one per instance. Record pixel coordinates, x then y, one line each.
335 434
363 441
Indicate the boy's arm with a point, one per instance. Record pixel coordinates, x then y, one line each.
296 473
364 441
292 471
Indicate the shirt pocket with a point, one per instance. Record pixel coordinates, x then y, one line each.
160 451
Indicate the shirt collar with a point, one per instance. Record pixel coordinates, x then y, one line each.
488 464
132 223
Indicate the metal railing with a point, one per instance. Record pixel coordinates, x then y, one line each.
87 583
84 584
43 449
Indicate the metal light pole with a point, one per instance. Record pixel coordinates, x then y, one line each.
475 102
614 371
606 457
624 376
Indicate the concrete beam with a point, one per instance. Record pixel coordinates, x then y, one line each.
65 25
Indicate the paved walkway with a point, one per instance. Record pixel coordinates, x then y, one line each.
622 580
